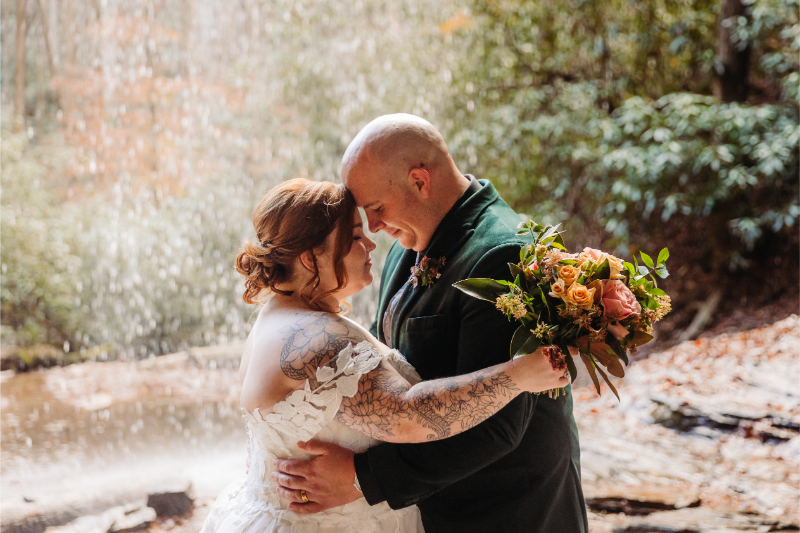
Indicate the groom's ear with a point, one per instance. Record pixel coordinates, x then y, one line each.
419 180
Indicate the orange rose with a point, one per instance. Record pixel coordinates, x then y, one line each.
569 274
559 290
581 296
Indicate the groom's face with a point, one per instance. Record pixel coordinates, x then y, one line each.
389 204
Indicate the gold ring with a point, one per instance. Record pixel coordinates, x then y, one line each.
304 496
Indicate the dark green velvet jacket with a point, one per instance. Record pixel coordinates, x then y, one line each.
518 470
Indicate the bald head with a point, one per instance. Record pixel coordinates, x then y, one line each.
399 170
399 142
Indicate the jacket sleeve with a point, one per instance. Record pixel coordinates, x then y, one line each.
404 474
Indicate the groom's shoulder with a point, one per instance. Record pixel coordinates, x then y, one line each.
497 226
494 242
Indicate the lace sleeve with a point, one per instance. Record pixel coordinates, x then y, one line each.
305 412
403 367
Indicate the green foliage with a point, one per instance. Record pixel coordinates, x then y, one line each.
39 262
600 115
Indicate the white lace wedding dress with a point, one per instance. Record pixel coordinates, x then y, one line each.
252 505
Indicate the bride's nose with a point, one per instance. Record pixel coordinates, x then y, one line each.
370 244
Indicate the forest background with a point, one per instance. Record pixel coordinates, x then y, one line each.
138 136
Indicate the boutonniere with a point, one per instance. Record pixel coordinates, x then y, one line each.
426 273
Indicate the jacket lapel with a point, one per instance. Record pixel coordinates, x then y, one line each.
449 237
397 274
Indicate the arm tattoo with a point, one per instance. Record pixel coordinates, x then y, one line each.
385 403
443 406
314 340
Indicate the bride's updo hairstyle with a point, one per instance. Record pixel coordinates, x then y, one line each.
295 217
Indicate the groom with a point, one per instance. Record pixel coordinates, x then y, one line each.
518 470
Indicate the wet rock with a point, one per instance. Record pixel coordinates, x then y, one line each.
133 520
699 520
653 529
87 512
174 499
120 519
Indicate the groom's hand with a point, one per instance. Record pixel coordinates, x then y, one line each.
327 479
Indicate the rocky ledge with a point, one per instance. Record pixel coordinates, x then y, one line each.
706 438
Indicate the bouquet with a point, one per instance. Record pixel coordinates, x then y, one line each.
593 301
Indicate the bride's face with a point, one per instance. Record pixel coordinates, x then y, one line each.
357 263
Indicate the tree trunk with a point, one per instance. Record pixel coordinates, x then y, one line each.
19 95
734 62
45 12
69 38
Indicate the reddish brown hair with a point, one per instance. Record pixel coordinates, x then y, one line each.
296 217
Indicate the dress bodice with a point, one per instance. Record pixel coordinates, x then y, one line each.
304 415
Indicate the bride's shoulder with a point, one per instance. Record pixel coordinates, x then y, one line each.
288 349
312 339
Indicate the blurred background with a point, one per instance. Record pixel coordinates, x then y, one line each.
138 136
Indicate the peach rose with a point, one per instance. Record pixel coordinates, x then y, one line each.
618 300
559 290
569 274
581 296
616 266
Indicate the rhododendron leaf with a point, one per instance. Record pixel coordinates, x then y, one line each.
483 288
573 370
521 336
530 345
640 338
603 271
589 364
608 381
615 345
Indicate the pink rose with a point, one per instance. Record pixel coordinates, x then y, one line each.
594 254
618 300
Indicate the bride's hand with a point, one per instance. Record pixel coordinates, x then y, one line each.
534 373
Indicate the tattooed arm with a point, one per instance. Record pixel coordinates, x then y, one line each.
388 408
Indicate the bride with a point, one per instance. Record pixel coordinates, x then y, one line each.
310 372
